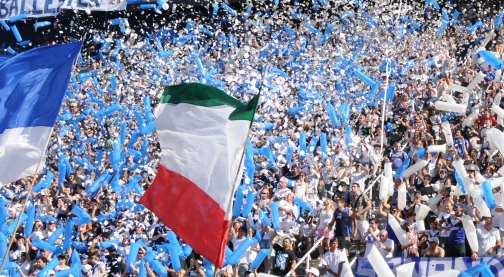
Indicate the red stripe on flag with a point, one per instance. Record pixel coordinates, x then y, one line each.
191 213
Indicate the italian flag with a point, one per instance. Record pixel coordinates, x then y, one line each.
202 132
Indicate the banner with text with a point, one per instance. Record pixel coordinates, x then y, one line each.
425 267
95 5
32 8
50 8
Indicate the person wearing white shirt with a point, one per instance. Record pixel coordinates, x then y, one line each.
243 263
282 190
359 174
51 228
385 245
488 239
334 259
372 236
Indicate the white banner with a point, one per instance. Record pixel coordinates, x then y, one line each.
32 8
425 267
50 8
95 5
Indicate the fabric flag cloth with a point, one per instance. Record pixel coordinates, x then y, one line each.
32 86
202 132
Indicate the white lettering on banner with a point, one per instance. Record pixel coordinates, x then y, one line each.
425 267
32 8
95 5
47 8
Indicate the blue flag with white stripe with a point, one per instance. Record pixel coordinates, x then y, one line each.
32 86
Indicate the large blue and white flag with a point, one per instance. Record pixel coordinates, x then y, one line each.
32 86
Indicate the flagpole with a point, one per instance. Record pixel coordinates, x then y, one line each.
42 157
240 168
13 235
248 134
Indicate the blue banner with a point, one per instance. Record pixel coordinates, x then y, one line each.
428 266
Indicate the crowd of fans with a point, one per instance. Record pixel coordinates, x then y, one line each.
303 76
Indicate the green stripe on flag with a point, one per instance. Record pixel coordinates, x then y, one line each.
207 96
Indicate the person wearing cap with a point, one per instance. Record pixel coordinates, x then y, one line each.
441 179
113 262
311 272
456 240
51 228
85 266
447 165
334 259
489 240
139 234
471 171
63 263
12 216
282 191
433 250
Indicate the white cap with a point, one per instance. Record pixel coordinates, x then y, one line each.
313 271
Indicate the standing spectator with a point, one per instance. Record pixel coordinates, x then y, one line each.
359 175
489 240
456 240
301 188
328 174
342 220
242 265
285 259
410 250
324 226
361 205
372 236
334 259
114 263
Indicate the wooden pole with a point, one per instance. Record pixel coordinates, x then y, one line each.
13 235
